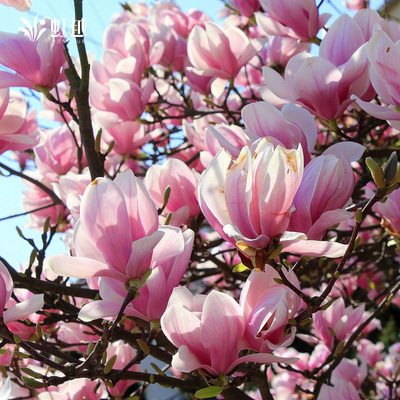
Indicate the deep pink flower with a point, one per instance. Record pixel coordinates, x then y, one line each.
298 19
326 188
37 63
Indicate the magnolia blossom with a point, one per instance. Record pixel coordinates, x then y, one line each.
390 212
183 181
207 330
342 390
339 319
297 19
169 262
325 190
383 55
267 306
37 63
18 128
117 235
220 53
248 201
317 84
291 126
20 5
19 310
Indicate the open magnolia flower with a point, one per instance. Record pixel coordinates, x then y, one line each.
207 331
248 201
20 310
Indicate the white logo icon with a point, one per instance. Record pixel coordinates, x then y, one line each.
33 32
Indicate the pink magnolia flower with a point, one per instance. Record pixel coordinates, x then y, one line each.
280 49
18 128
125 353
71 187
128 137
267 306
37 63
169 262
370 353
174 55
317 84
342 390
118 237
56 154
350 371
355 4
20 310
383 54
168 14
118 99
297 19
229 137
245 7
342 320
390 212
248 201
291 126
20 5
207 330
325 190
183 182
36 199
221 53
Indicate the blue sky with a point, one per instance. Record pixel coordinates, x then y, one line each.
97 14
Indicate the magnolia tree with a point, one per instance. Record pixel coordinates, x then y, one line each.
228 199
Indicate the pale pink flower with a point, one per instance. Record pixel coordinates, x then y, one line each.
20 310
128 137
207 330
390 212
267 306
168 14
20 5
280 49
56 154
342 320
369 352
169 262
383 54
350 371
35 198
291 126
174 55
342 390
18 128
355 4
125 353
248 201
183 182
220 53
